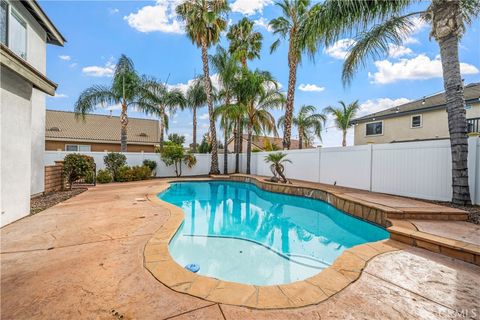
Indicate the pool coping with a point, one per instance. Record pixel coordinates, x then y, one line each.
345 270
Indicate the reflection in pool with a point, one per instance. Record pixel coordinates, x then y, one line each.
238 232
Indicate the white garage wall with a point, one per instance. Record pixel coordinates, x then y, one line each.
414 169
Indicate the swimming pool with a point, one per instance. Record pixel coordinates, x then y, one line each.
237 232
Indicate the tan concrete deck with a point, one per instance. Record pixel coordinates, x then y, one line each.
84 259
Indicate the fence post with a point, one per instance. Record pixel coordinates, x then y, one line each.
371 166
473 167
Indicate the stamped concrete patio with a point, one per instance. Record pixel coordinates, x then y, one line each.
84 259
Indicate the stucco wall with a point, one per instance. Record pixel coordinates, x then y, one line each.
15 169
434 126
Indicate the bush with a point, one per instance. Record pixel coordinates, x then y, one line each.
104 176
89 177
114 161
135 173
151 164
77 166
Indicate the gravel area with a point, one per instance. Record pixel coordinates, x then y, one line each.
48 200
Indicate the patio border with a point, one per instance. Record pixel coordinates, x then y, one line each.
345 270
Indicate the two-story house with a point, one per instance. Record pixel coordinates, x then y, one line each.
25 31
422 119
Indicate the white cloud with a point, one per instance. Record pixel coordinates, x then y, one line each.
375 105
420 67
113 10
396 51
73 65
65 57
249 7
310 88
98 71
159 17
60 95
411 40
263 23
203 116
340 49
419 24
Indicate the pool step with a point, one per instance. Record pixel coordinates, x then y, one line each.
457 249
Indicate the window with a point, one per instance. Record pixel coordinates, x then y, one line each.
17 38
416 121
77 148
374 128
3 22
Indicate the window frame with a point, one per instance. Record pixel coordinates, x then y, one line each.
377 134
13 13
78 147
7 22
411 121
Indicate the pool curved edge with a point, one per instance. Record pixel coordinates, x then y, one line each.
345 270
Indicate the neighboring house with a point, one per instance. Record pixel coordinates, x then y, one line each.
260 143
25 31
65 132
422 119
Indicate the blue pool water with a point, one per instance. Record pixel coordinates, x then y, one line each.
237 232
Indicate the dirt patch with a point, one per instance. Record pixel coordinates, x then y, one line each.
48 200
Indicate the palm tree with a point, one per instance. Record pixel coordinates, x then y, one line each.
277 160
294 15
342 117
380 23
227 68
305 121
196 97
204 21
124 90
244 42
163 100
258 93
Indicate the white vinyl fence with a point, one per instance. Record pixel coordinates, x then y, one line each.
414 169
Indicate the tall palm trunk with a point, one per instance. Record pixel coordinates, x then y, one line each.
162 128
225 153
344 138
300 139
249 145
292 79
445 29
213 133
123 130
194 133
237 146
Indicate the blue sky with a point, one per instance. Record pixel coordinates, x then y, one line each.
148 32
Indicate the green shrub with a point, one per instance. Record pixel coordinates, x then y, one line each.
151 164
114 161
77 166
135 173
104 176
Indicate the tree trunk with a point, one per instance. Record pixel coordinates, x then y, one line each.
300 139
446 27
213 132
162 129
123 130
292 80
225 153
194 134
344 138
235 146
279 170
249 146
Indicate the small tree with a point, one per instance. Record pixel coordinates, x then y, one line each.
114 161
173 154
277 160
176 138
77 166
152 164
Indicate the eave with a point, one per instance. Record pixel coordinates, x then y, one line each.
25 70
